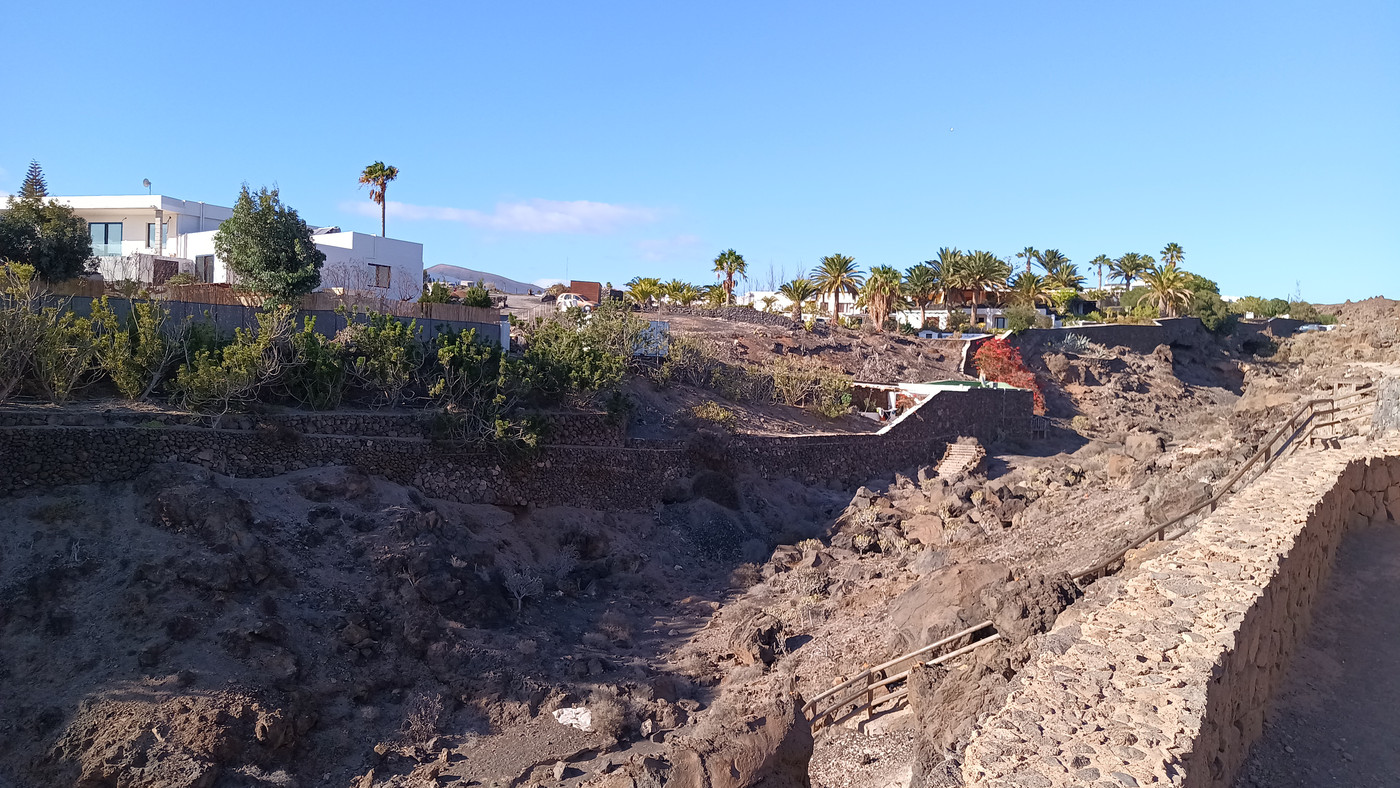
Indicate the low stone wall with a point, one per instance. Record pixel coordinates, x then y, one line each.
742 314
1187 331
1169 682
610 472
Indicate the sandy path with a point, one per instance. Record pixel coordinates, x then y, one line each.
1336 720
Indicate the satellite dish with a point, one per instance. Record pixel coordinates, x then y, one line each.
147 183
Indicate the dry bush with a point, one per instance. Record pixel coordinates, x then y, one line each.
609 714
615 625
745 576
420 723
595 640
527 647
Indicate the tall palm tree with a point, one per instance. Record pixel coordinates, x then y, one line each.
1031 254
923 283
1030 289
730 264
1167 290
799 291
1127 268
882 293
377 176
1099 262
978 272
836 274
1172 254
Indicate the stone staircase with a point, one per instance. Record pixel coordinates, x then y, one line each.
962 457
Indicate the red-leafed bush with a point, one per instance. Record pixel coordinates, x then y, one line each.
1000 361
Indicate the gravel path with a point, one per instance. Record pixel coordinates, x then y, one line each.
1337 718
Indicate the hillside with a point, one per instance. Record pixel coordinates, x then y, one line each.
457 274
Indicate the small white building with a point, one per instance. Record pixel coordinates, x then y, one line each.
845 303
128 246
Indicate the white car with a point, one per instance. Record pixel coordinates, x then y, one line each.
567 301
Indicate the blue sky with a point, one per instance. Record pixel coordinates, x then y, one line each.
607 140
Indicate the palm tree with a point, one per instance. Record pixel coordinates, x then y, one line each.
1064 275
1030 289
922 283
1127 268
1172 254
728 265
882 293
1166 288
643 290
714 295
979 272
377 176
1099 262
799 291
685 295
1031 254
836 274
1050 259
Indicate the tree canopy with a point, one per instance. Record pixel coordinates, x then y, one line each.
268 246
42 233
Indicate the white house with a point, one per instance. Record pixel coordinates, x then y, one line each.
128 245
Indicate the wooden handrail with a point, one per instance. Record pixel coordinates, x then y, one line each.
1295 426
848 683
867 688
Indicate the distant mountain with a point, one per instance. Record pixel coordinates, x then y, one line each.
455 274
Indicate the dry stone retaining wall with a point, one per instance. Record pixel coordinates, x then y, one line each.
1168 683
598 468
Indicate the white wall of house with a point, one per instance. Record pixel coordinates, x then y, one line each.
386 267
133 214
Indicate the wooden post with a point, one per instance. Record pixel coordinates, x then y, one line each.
869 695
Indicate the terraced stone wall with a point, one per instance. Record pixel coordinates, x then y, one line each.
1168 682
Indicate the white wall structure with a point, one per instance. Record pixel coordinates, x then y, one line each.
148 237
846 303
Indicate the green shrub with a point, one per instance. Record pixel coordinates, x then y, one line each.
181 279
476 296
1019 318
714 413
384 356
136 353
318 373
958 320
22 326
216 381
65 356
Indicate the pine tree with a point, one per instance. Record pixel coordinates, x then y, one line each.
34 186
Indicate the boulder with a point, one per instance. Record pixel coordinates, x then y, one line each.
1119 467
943 602
757 640
925 529
1143 446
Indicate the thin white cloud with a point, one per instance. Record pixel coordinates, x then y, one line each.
662 249
547 283
529 216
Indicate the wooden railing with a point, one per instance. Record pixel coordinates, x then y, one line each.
888 682
875 686
1304 421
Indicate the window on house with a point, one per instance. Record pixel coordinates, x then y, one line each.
151 234
381 274
1001 322
204 268
106 238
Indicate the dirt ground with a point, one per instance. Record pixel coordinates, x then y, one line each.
1334 721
